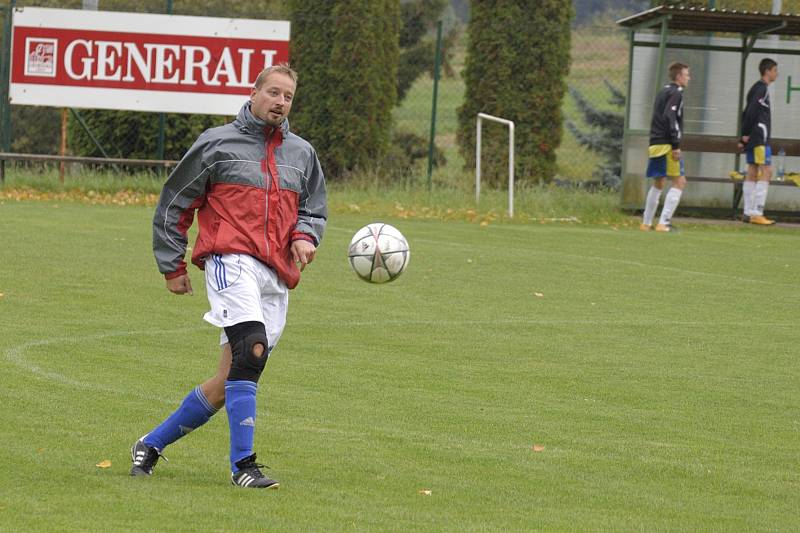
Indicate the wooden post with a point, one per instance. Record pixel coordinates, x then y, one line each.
63 150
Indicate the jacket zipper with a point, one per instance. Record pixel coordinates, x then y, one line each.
267 183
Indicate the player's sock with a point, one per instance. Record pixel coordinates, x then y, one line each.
192 413
748 189
760 197
650 205
670 204
240 404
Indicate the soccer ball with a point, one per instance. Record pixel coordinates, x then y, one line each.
378 253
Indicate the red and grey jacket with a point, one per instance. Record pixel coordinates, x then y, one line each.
255 189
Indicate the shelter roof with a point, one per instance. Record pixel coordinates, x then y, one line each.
702 19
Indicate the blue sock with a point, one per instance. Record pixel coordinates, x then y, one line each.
240 403
192 413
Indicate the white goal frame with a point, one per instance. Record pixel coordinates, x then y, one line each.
510 125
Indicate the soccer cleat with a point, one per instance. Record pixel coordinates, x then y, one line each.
666 228
746 219
761 220
250 476
644 227
144 458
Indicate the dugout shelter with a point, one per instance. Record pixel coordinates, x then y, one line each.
723 49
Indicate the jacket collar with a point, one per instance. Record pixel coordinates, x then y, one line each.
247 122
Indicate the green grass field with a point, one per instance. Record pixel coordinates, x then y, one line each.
657 375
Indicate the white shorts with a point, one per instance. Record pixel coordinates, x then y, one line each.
243 289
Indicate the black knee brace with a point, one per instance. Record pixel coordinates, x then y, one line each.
250 349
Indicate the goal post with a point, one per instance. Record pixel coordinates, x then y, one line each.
510 125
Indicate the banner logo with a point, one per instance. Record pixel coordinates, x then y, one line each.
40 57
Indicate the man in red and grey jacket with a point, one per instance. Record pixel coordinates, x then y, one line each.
261 205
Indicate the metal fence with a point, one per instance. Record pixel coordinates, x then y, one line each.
599 60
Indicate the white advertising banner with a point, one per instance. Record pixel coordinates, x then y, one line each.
140 62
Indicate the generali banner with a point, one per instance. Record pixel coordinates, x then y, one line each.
140 62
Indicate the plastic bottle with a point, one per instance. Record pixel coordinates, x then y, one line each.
781 164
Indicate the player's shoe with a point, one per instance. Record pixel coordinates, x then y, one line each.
761 220
746 219
250 476
666 228
144 458
644 227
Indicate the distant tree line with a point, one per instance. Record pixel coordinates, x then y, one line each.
586 11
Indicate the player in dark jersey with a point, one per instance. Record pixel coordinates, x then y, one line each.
756 131
666 129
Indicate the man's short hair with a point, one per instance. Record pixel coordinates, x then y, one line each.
281 68
675 68
765 65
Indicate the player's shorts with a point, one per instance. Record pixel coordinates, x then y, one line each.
243 289
661 163
760 155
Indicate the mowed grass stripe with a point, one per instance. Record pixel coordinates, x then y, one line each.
659 374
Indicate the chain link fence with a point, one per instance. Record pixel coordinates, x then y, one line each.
598 69
593 108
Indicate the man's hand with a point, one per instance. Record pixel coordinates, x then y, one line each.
180 285
676 154
303 252
742 142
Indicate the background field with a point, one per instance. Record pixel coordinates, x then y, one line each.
657 374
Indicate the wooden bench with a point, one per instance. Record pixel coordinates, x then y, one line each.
728 145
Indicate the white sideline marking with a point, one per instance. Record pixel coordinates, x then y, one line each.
16 356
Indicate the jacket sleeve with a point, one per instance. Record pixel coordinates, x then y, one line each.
183 192
312 212
750 114
753 111
671 115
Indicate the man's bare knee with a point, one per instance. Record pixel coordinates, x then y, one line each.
258 350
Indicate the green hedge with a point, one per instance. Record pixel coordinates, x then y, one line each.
346 53
518 55
134 135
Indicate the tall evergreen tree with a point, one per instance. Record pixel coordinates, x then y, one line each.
605 134
417 48
346 53
517 59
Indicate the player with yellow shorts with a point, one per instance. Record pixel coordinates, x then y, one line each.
665 158
756 129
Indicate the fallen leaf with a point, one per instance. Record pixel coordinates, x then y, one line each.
425 492
105 463
538 294
538 448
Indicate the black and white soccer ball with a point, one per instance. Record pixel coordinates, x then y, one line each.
378 253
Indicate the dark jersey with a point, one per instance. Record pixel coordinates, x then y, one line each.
757 117
666 125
